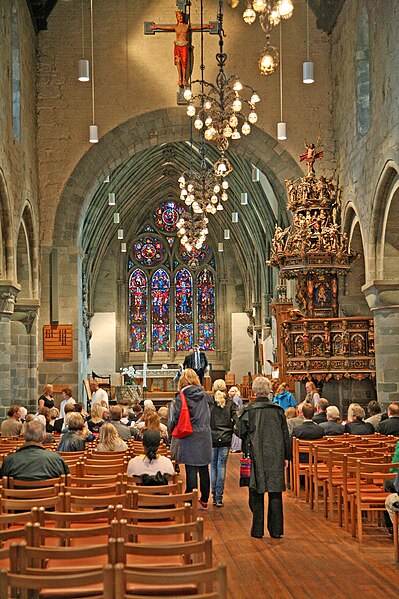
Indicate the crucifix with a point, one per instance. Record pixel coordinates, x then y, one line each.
183 50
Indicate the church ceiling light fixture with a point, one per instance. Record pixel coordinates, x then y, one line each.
219 109
93 128
281 126
308 65
83 63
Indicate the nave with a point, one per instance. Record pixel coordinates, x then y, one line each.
316 559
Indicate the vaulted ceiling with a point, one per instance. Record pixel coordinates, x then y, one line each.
326 11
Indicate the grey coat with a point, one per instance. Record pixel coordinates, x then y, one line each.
263 425
196 449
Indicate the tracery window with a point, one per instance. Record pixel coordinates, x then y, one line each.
363 89
171 292
15 74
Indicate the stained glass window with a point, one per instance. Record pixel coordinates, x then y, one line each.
195 257
160 287
149 251
167 214
138 310
184 310
206 309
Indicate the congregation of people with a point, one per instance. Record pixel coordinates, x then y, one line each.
262 429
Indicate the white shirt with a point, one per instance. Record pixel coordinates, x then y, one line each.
99 396
141 465
63 404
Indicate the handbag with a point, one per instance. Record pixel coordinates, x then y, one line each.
245 467
183 428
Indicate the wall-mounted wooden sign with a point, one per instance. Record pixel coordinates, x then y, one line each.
57 342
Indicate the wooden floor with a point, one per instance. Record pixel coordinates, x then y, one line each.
314 560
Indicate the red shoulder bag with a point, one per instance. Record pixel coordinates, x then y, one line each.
183 427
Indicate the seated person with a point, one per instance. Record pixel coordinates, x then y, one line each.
151 463
109 439
74 438
60 424
115 415
31 461
356 424
390 426
333 425
374 412
12 425
152 422
97 420
391 502
136 413
321 407
295 420
308 430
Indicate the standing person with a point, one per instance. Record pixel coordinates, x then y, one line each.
197 361
195 450
46 399
66 398
234 394
223 419
284 397
97 393
263 427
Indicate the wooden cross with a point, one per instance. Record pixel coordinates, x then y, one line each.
183 50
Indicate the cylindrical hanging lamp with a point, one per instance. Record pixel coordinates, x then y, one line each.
116 218
234 217
255 174
244 198
220 247
83 70
281 126
93 134
120 233
227 233
111 199
123 246
308 66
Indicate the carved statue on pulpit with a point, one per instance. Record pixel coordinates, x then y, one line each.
310 156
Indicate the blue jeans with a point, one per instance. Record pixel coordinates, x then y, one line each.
218 471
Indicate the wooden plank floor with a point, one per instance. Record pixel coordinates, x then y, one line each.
314 560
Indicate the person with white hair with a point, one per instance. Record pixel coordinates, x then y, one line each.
356 424
263 428
333 425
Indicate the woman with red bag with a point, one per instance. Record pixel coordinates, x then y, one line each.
195 449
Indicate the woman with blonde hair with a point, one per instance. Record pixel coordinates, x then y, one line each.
284 397
195 450
152 422
312 395
223 418
109 439
96 421
46 399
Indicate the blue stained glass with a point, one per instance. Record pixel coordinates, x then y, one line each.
184 309
149 251
167 214
149 229
206 336
130 264
206 309
184 337
138 310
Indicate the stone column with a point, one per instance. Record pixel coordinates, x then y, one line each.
383 299
26 362
8 296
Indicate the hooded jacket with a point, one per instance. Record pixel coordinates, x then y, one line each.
285 400
222 422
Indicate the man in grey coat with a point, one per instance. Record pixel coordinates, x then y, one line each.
263 428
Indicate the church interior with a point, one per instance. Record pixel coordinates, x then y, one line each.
142 211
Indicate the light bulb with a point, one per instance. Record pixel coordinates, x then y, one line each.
246 128
208 105
285 8
249 15
190 187
213 210
181 179
252 117
227 131
187 94
224 196
236 135
237 86
259 5
184 239
198 245
183 192
190 110
222 168
214 199
83 70
208 207
198 124
182 230
268 60
237 105
219 207
208 134
208 121
274 17
189 247
233 121
255 98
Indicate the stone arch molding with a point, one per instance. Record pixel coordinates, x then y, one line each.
142 132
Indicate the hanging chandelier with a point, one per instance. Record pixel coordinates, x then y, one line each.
192 231
270 15
203 191
220 114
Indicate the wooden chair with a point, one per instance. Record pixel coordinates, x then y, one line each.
180 514
84 470
8 482
55 502
146 500
24 585
205 584
134 484
76 503
12 526
37 535
96 480
189 531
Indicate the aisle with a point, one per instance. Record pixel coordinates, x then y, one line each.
314 560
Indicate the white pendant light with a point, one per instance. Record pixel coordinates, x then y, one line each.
83 70
123 246
255 175
308 66
227 233
120 233
116 218
111 199
281 126
220 247
234 217
93 134
244 198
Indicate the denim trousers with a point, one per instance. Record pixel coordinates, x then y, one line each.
218 471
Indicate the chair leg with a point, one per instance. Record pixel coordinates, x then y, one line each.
352 518
359 524
339 503
395 536
326 500
312 491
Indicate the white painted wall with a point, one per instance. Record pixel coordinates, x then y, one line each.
103 345
242 346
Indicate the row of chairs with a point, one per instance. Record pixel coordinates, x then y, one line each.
349 473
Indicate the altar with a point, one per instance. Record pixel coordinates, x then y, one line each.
157 379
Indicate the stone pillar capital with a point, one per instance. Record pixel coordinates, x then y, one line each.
382 295
26 312
8 296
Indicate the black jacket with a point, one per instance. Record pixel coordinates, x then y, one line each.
390 426
308 431
332 428
70 441
222 422
359 427
320 417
